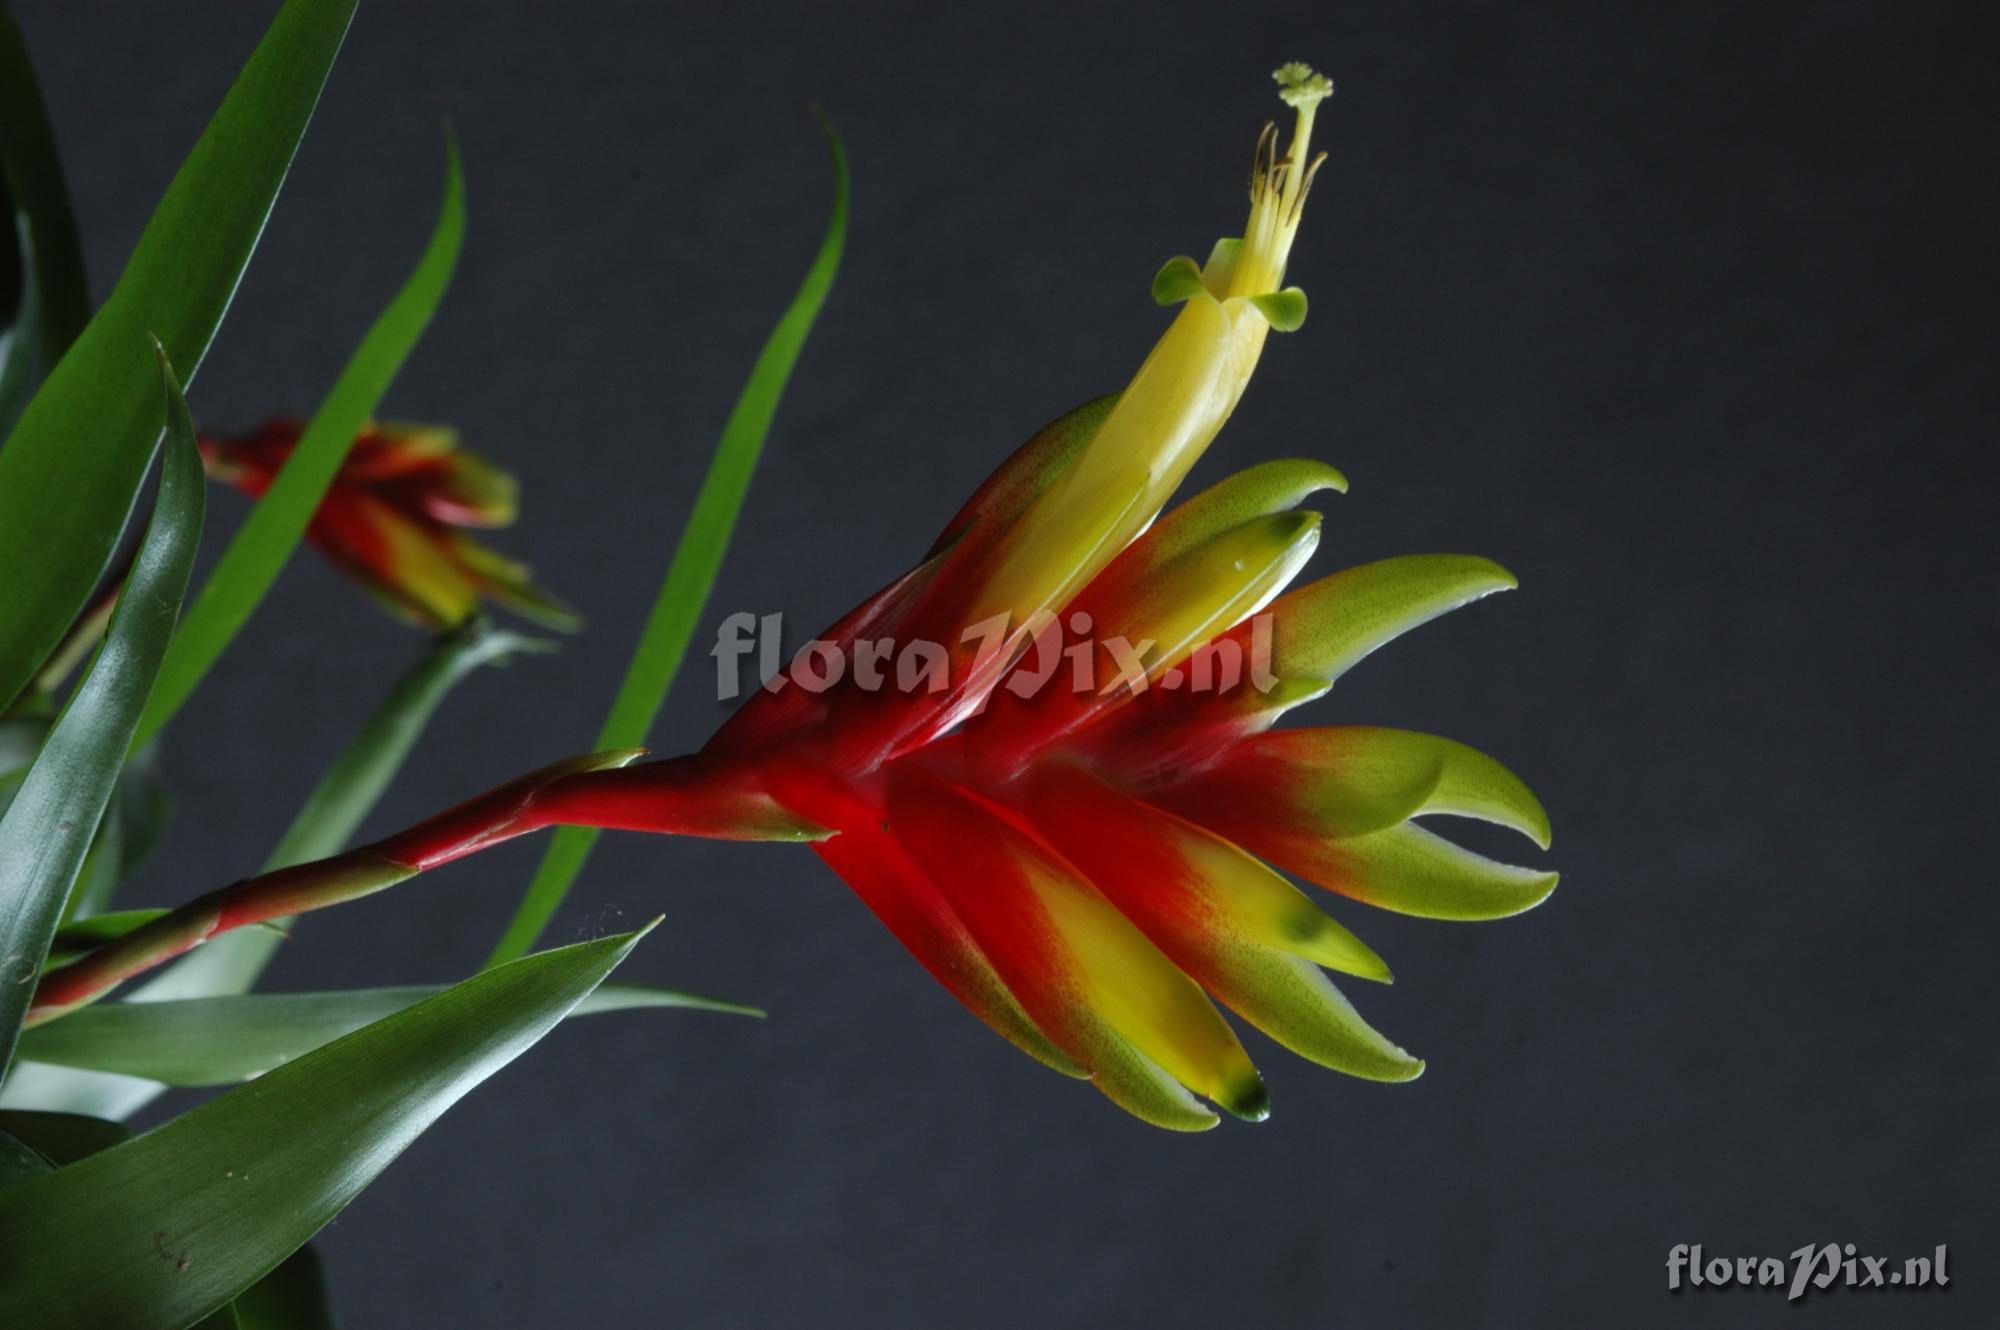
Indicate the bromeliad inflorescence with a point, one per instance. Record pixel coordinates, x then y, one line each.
1083 867
397 518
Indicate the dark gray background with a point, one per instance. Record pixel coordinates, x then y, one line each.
1684 313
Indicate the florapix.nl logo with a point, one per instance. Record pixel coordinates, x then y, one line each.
1807 1269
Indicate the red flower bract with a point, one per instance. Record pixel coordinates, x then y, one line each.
1077 867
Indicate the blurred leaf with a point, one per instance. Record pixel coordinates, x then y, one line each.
52 297
697 558
20 1161
294 1296
54 816
171 1225
344 796
39 1087
72 467
224 1040
62 1138
74 939
133 825
278 519
32 1144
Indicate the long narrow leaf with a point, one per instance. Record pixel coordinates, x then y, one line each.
225 1040
697 558
54 299
344 796
233 1187
277 521
49 826
72 466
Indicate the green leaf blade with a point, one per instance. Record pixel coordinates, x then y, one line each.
696 560
242 1181
278 520
345 795
73 464
294 1296
226 1040
47 830
54 301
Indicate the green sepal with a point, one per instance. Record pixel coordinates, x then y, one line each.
1178 279
1284 310
1221 265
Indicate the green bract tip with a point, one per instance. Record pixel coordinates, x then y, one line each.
1299 86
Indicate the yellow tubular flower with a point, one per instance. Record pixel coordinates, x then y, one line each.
1184 391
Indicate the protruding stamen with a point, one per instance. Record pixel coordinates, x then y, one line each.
1278 186
1305 186
1260 169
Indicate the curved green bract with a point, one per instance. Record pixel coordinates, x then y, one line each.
73 464
697 558
279 519
1411 871
54 301
48 828
228 1040
230 1189
1326 627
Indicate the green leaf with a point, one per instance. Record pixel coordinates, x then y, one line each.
49 827
63 1138
697 558
278 519
19 1161
171 1225
32 1144
294 1296
54 297
72 466
344 796
225 1040
134 822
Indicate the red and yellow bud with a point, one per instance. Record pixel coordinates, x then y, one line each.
397 515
